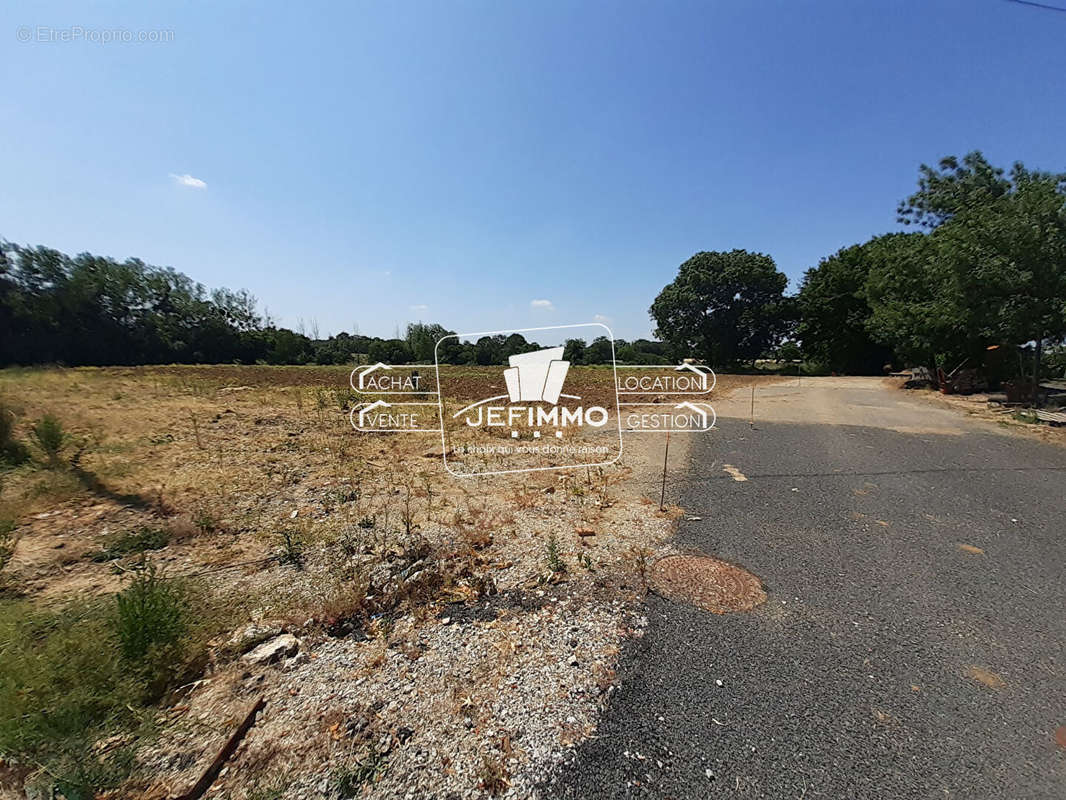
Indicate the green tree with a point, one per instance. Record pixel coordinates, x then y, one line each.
834 311
724 307
574 351
991 272
912 308
422 338
389 351
1005 264
599 351
954 185
489 350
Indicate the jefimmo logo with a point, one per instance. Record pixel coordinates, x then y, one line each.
537 376
533 377
533 425
537 411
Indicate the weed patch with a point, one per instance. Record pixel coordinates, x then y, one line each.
12 451
131 542
349 781
552 557
150 615
63 686
50 437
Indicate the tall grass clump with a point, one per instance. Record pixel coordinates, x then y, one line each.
12 451
50 437
7 540
150 614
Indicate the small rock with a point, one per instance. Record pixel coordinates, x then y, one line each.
276 649
297 660
356 725
252 634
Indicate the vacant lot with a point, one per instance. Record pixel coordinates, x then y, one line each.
426 631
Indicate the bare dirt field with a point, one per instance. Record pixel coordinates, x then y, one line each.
411 634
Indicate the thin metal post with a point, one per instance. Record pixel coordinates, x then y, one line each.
666 455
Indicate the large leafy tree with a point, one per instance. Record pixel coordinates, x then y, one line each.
724 306
422 339
834 311
1004 263
912 307
951 187
992 270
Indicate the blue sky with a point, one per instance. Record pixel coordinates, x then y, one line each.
374 163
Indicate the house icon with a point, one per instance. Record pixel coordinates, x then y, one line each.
536 376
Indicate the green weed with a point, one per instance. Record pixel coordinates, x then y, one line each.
554 560
292 547
348 782
63 686
50 437
12 451
129 542
150 614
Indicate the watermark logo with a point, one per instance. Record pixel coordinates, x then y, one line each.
70 34
537 411
532 414
537 376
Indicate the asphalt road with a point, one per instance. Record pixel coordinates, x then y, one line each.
855 679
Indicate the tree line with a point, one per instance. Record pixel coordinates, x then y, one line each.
90 310
982 283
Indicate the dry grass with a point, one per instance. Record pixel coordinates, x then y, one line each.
234 469
224 457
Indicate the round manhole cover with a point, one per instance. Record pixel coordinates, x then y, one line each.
707 583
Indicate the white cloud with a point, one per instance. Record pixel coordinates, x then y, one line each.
420 307
601 318
543 305
188 180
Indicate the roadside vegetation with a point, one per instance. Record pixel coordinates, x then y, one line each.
79 680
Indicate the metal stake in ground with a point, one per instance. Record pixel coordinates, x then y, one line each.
666 455
751 422
212 771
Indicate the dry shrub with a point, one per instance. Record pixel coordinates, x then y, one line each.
639 557
475 527
341 609
493 776
182 528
